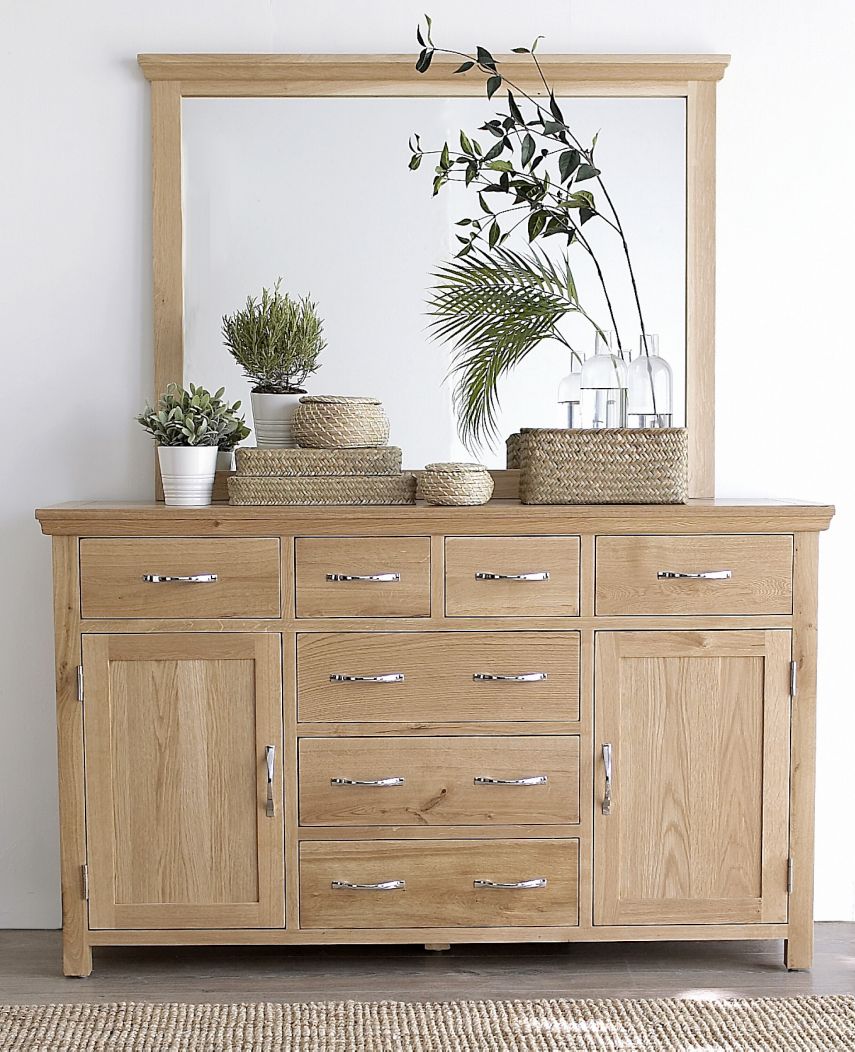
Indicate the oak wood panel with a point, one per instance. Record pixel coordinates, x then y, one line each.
761 581
409 557
438 668
439 878
466 596
247 572
175 735
698 724
439 781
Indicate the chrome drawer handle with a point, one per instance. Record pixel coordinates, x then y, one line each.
384 885
376 783
707 575
607 791
539 575
388 677
196 578
522 677
535 779
514 885
364 577
270 758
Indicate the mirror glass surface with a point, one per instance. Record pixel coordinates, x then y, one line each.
318 191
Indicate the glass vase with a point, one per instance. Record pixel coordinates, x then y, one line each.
603 382
570 395
649 387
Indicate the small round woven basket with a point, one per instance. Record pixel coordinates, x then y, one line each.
456 484
340 422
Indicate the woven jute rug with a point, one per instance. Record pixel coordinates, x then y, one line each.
798 1024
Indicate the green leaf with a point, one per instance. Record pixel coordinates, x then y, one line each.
484 206
501 166
424 61
477 146
536 42
471 173
495 234
555 109
554 226
520 50
585 214
494 151
515 110
464 67
429 24
536 223
465 144
485 58
527 150
463 222
445 158
594 142
586 171
568 162
419 36
493 85
437 184
553 128
415 161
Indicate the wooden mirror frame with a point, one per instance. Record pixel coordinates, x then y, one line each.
691 77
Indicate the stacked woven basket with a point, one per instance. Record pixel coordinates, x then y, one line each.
342 458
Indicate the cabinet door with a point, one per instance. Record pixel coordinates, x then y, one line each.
698 724
176 731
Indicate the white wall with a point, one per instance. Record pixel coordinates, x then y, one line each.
76 320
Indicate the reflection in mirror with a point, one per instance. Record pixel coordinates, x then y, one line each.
317 191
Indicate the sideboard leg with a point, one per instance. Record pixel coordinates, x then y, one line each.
76 958
798 953
437 946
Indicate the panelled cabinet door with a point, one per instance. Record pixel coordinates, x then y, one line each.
697 826
177 732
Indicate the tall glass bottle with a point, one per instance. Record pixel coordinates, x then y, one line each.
570 394
650 387
603 384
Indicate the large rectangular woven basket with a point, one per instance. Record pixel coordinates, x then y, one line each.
605 466
319 490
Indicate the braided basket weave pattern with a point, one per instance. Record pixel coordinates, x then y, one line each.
607 466
320 490
340 422
456 484
383 460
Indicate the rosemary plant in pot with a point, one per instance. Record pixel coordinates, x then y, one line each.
277 341
189 427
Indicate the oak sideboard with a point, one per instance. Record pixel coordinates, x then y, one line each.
435 725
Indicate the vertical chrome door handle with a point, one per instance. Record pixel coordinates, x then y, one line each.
607 791
270 758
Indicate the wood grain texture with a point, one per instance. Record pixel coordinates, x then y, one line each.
761 581
409 557
466 596
439 781
247 571
439 878
175 737
438 670
698 728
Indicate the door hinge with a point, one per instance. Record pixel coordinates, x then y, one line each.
794 678
790 875
84 877
80 683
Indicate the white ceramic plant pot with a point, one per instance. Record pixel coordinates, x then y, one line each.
272 415
188 474
225 460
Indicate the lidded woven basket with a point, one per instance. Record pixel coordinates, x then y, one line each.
456 484
340 422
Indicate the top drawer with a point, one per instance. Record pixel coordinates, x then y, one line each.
695 575
363 576
180 577
512 576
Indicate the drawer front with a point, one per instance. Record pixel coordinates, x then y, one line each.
529 780
180 577
712 575
512 576
438 677
434 883
392 576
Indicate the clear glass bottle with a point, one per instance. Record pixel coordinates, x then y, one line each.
570 394
650 386
603 384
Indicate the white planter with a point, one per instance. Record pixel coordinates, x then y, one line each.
272 415
225 460
188 474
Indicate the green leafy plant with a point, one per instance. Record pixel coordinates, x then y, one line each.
194 417
276 340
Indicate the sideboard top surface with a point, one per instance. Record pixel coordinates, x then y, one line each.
93 518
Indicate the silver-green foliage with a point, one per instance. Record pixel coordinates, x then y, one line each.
194 417
276 340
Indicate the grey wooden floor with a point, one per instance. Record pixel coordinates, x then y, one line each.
30 971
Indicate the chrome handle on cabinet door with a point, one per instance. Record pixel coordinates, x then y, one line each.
538 575
607 791
196 578
377 783
383 885
270 759
386 677
514 885
535 779
520 677
389 577
706 575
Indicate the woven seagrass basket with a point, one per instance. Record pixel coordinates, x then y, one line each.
606 466
275 463
340 422
320 490
456 484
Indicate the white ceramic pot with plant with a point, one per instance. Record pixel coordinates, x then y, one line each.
277 341
189 427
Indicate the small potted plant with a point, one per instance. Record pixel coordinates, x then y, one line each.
226 454
277 341
189 427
